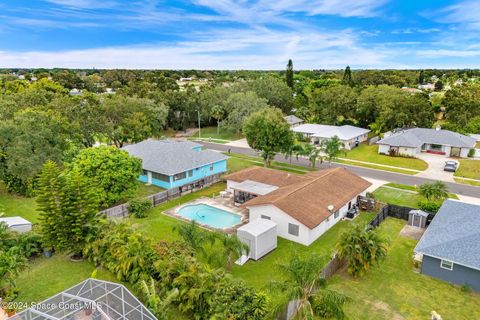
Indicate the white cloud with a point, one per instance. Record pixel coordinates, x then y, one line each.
448 53
224 49
84 4
463 12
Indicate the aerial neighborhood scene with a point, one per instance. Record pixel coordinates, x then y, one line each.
239 160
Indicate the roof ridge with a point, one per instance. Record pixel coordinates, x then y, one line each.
306 183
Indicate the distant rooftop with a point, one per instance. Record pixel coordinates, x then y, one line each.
454 234
345 132
416 137
292 119
170 157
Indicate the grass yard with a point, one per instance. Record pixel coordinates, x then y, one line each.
398 197
47 277
412 188
393 290
470 182
224 134
240 161
377 167
368 153
144 190
16 205
259 273
468 169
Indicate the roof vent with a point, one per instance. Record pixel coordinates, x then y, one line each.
330 208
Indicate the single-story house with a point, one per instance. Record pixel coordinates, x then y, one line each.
410 142
170 163
303 207
18 224
451 244
350 136
293 120
90 299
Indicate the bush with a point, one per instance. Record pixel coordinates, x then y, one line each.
139 207
471 153
465 288
429 206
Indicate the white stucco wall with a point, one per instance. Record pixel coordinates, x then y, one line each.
305 236
383 148
464 152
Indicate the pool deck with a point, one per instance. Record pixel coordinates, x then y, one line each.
224 203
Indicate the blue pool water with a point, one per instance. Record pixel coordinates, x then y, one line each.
211 216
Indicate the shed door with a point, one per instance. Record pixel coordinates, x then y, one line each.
417 221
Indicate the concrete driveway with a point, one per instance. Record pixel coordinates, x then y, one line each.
436 163
242 143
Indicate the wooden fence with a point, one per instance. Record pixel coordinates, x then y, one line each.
394 211
333 266
121 211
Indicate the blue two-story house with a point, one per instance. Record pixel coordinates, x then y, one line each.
170 163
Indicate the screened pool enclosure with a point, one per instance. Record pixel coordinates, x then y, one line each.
91 299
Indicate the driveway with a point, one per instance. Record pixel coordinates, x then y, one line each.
435 167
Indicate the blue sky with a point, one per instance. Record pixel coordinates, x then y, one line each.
243 34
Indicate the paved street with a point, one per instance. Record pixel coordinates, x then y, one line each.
461 189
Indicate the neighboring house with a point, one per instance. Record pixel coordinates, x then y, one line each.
451 244
293 120
75 92
350 136
303 207
410 142
169 163
411 90
427 86
90 299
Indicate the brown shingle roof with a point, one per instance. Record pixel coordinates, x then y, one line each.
265 175
307 200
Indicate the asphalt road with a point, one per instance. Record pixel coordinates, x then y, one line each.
462 189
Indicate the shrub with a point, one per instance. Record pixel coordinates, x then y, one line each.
139 207
370 195
465 288
471 153
429 206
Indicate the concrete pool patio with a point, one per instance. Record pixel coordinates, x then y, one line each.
218 202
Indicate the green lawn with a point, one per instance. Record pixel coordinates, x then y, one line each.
224 134
16 205
368 153
240 161
46 277
144 190
397 197
259 273
393 290
470 182
413 188
373 166
468 169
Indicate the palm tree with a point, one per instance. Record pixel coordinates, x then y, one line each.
332 148
311 152
361 248
218 113
192 235
434 191
233 247
306 289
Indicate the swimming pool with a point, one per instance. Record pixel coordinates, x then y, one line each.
208 215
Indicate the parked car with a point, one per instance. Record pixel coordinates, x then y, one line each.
450 166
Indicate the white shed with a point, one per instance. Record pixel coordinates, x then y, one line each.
17 224
260 235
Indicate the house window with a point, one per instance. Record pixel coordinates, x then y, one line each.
336 214
190 173
436 147
179 176
265 217
211 167
445 264
145 172
293 229
160 177
328 219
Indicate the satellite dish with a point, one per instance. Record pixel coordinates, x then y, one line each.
330 208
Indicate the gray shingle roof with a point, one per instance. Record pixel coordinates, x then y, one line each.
292 119
345 132
415 137
454 234
170 157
